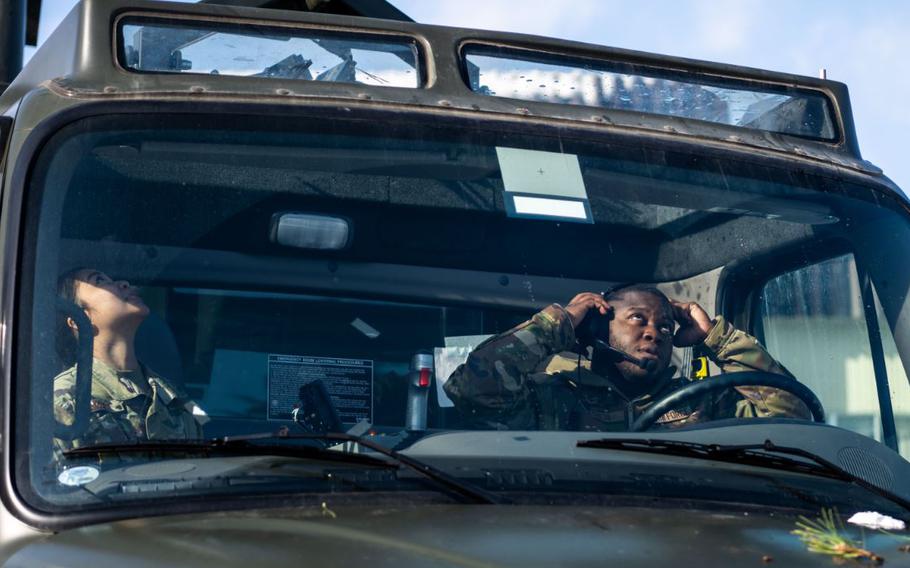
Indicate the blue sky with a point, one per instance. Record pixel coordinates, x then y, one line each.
863 44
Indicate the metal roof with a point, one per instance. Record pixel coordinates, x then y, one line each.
89 71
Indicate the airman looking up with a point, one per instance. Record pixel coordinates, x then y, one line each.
528 378
130 402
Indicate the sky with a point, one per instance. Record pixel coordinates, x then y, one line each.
863 44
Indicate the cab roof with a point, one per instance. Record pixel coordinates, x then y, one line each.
94 68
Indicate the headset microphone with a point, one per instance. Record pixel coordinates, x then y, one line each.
616 356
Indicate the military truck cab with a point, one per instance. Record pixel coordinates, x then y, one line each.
298 226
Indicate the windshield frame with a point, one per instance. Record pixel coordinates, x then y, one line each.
22 175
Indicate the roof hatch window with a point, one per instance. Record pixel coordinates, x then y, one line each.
247 50
541 77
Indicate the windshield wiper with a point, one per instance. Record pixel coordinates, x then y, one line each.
225 446
466 491
247 444
767 454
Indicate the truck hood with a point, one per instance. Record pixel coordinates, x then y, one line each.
441 535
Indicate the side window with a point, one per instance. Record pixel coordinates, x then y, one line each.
898 383
815 323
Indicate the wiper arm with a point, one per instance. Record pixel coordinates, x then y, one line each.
246 444
226 446
467 491
761 455
743 454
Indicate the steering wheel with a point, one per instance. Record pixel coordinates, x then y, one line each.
729 380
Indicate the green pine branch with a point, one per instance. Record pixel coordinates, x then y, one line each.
825 535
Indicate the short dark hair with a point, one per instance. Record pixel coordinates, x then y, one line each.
617 292
66 339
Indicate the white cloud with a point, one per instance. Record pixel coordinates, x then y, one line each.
539 17
725 26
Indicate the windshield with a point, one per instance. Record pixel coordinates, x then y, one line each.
406 281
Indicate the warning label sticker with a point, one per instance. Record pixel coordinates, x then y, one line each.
348 381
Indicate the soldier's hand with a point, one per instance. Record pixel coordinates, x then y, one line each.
694 323
581 304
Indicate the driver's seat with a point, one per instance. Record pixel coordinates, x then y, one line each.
157 349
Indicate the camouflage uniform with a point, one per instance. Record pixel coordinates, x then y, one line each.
524 379
126 407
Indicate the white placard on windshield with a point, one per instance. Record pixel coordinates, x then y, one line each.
543 185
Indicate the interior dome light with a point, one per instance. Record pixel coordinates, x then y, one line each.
310 231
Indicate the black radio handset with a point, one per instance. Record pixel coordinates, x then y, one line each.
594 332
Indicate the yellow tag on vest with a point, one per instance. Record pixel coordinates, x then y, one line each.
700 368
